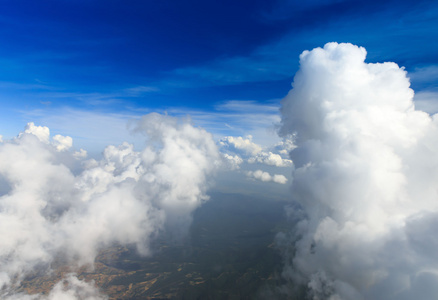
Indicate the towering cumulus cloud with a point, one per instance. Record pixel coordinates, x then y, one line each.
366 173
54 204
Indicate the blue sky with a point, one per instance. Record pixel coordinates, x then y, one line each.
85 68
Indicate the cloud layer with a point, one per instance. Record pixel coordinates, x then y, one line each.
365 174
54 204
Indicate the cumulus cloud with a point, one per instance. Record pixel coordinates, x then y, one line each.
365 175
271 159
244 145
50 209
234 161
266 177
285 146
62 142
254 153
80 154
41 132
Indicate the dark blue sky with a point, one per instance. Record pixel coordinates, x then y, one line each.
134 56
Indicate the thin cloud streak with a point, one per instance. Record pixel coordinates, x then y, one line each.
94 130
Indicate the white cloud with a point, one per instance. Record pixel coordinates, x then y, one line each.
266 177
278 178
49 208
271 159
80 154
41 132
234 161
365 173
62 143
91 130
259 174
285 146
254 153
241 144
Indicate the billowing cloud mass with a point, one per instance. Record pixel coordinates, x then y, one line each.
366 173
265 176
54 204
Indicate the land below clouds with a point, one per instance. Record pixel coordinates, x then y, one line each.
229 253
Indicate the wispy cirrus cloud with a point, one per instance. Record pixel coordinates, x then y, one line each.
427 101
424 77
94 129
247 106
36 92
140 90
324 21
238 118
255 67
